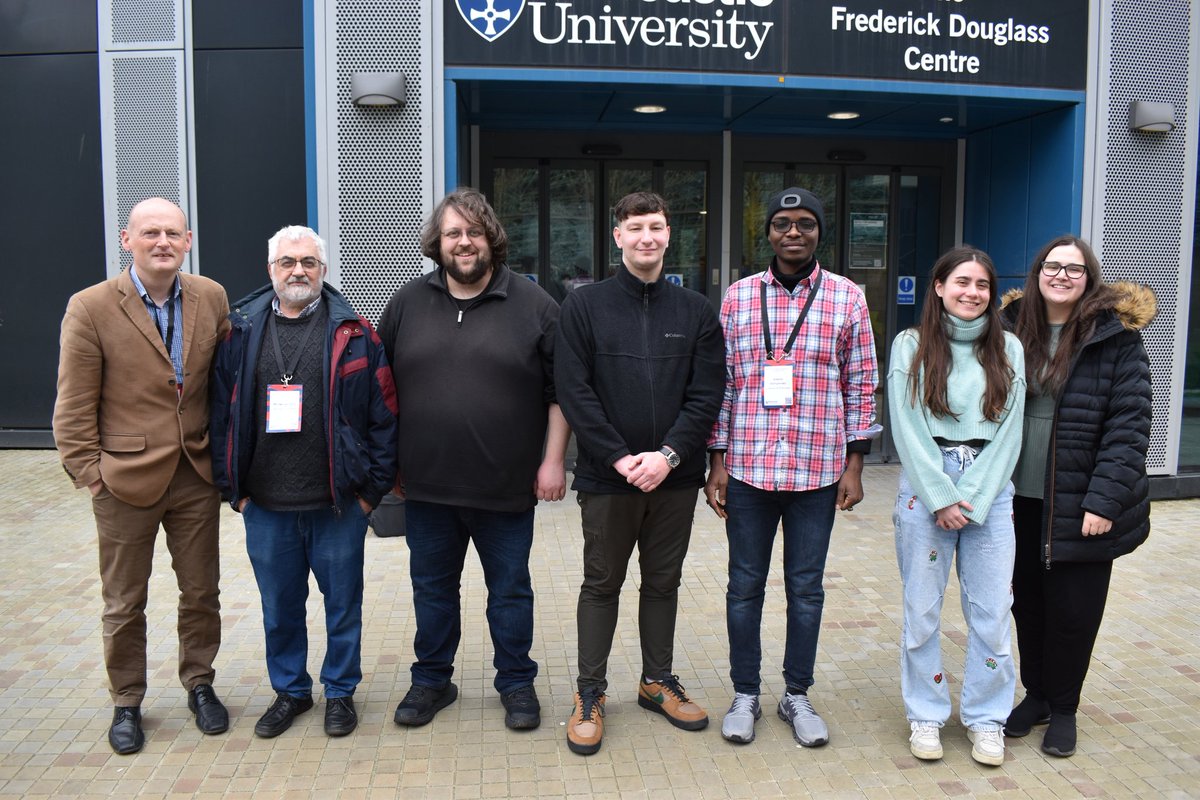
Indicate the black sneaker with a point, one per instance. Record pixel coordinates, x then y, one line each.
281 715
422 703
340 716
1029 712
522 711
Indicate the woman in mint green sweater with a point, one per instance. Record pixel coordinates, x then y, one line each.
956 390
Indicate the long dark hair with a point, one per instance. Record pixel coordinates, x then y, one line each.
933 348
1034 331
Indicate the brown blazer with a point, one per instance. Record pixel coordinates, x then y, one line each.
119 417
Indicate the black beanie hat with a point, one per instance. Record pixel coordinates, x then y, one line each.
796 197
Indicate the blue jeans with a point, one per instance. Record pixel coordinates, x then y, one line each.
283 547
437 540
985 566
754 516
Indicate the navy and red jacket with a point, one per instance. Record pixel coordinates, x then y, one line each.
360 401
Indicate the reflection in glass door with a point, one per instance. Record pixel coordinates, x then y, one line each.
557 214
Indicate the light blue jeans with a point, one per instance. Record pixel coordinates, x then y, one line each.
985 565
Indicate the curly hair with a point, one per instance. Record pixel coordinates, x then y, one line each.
475 209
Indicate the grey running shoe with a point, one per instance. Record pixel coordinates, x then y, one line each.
739 720
807 726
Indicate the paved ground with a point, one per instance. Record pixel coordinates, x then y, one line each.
1139 729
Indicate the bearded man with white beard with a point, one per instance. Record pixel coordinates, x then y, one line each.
303 422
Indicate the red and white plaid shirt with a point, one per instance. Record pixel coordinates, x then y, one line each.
801 447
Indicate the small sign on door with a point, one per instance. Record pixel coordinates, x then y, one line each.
906 290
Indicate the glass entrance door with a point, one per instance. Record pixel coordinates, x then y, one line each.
557 213
882 226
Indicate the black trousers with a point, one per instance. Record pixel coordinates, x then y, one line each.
1058 613
660 525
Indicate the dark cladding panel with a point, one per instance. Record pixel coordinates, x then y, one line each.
250 160
238 24
53 233
47 26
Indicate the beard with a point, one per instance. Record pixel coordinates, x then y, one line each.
298 293
472 276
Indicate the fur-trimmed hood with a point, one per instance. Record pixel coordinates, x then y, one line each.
1133 304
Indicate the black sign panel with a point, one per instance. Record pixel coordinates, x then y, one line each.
1034 43
720 36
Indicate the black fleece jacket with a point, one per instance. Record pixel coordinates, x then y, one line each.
638 366
474 386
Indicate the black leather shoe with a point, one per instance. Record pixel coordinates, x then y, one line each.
125 736
340 716
422 703
281 714
211 716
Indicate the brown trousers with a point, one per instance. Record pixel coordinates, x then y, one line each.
189 513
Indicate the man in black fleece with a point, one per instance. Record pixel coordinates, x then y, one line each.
472 350
640 370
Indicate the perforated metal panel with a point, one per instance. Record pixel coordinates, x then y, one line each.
1143 187
147 113
382 170
145 22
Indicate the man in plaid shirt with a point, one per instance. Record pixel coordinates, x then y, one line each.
797 417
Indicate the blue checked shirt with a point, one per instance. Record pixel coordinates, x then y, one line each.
162 318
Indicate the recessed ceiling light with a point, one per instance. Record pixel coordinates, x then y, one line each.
946 119
843 115
649 109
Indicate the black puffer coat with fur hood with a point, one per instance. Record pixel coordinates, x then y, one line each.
1097 458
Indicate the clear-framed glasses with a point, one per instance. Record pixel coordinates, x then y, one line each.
308 262
1074 271
470 233
781 225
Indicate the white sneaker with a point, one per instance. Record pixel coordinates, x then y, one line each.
988 746
739 720
926 740
807 726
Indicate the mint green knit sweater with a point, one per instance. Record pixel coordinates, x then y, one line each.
914 427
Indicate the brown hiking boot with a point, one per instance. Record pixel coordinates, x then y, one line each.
585 728
667 697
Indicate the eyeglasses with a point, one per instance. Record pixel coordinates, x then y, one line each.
1074 271
308 262
784 225
471 233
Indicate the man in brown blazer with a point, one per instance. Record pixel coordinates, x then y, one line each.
131 424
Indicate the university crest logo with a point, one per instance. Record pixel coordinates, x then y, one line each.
490 18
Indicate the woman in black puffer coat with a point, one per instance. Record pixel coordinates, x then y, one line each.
1082 491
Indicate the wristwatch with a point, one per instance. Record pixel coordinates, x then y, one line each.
670 455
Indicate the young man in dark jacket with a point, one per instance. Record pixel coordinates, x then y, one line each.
304 446
639 367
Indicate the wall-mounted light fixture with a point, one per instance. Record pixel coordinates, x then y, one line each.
1151 117
377 89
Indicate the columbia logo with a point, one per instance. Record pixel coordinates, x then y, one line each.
674 336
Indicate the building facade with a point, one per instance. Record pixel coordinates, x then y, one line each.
920 123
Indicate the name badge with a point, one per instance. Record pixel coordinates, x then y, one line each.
284 405
778 384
